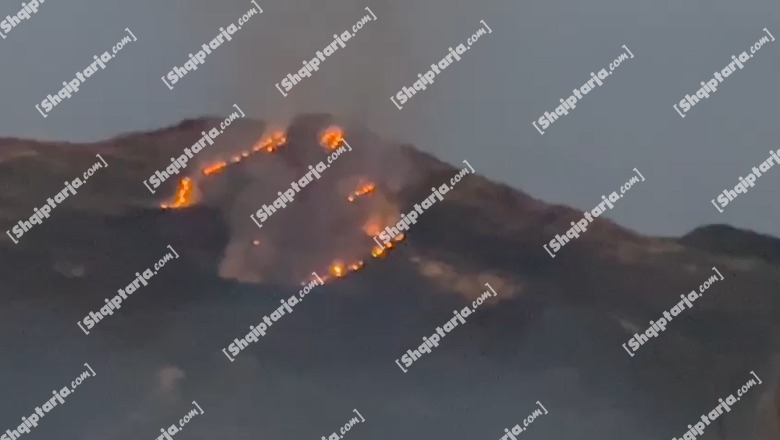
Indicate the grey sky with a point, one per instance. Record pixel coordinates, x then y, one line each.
479 109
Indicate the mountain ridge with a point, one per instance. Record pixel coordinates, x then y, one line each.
597 291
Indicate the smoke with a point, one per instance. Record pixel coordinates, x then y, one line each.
168 381
319 227
354 83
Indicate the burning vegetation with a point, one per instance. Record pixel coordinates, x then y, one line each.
269 144
214 168
361 191
330 138
183 197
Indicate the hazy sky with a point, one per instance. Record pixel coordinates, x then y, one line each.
479 109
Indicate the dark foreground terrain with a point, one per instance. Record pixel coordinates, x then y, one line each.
553 334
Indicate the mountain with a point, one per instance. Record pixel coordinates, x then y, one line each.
554 333
732 241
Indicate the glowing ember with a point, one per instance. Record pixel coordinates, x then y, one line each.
183 196
377 251
337 269
214 168
332 137
361 191
278 139
270 143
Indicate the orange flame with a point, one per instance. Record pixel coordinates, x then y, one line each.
214 168
183 196
332 137
337 269
268 143
361 191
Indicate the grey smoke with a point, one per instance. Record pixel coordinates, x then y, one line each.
480 108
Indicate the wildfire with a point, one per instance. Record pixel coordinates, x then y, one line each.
268 143
377 251
214 168
361 191
337 269
183 196
332 137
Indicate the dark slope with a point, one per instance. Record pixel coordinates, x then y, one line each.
555 335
